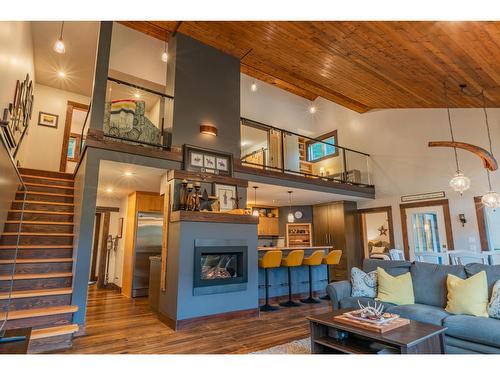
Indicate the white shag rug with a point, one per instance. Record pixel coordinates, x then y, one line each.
295 347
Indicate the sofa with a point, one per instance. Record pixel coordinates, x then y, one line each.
465 334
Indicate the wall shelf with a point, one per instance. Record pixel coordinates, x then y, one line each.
212 217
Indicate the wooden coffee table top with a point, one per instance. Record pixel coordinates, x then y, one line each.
408 335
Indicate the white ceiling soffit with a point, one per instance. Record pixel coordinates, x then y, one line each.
80 39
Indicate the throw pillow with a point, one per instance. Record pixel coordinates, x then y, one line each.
378 250
494 305
363 284
468 296
395 289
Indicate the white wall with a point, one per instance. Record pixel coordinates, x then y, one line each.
401 162
42 147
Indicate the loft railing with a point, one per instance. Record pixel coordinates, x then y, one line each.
293 153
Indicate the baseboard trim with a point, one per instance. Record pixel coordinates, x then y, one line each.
296 296
178 325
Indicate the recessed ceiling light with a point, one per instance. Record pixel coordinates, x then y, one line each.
312 109
137 95
109 190
61 74
128 174
253 87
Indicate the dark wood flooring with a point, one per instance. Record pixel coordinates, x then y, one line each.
118 325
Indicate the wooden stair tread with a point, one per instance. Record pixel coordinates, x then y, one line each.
48 186
38 234
44 212
45 202
34 313
36 293
44 193
36 260
47 178
42 333
36 247
32 276
39 222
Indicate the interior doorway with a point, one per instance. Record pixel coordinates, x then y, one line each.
488 221
76 118
377 234
427 233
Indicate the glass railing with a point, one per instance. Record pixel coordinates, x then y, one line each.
269 148
136 115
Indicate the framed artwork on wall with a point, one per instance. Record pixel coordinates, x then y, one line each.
197 159
74 144
226 195
48 119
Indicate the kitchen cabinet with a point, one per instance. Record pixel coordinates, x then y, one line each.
268 226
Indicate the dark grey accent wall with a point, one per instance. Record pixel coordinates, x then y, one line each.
206 86
283 216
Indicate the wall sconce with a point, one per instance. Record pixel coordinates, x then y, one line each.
208 130
462 219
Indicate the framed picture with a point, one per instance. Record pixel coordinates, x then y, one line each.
48 119
197 159
226 195
74 147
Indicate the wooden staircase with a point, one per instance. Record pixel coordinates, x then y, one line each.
41 294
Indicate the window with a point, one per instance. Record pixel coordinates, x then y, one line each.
321 150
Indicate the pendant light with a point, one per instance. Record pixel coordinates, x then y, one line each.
253 87
491 199
255 211
290 217
164 55
59 46
459 182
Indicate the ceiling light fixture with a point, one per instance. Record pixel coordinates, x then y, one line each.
109 190
137 95
59 46
491 199
61 74
164 55
459 182
208 130
312 109
253 87
128 174
291 217
255 211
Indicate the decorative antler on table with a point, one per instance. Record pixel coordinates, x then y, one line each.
368 311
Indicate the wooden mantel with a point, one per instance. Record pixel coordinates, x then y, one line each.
212 217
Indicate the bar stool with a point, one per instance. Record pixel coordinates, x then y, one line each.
271 259
331 259
312 260
293 259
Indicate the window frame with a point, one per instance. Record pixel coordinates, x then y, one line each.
322 138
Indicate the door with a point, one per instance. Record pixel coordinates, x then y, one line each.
320 225
427 238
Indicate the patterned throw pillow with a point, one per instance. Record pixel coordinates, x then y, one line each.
363 284
494 305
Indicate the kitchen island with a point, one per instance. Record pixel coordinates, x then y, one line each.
278 290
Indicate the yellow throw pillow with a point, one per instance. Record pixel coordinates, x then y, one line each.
395 289
469 296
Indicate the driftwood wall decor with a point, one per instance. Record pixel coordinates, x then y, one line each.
489 161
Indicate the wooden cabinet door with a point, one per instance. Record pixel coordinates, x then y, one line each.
268 226
320 225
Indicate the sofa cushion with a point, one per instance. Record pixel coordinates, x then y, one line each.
481 330
392 267
395 289
494 305
468 296
492 273
363 284
352 302
429 282
422 313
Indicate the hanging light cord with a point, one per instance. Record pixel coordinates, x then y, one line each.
449 123
62 29
489 135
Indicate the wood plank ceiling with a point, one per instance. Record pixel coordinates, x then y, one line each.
360 65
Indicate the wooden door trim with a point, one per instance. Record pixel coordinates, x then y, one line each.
101 273
70 106
95 246
386 209
481 224
447 221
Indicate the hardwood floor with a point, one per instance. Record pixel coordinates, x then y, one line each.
118 325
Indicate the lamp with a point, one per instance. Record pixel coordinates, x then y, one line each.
290 217
255 211
253 87
208 130
459 182
164 55
59 46
491 199
312 109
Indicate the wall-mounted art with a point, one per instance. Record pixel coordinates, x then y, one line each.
204 160
48 119
226 195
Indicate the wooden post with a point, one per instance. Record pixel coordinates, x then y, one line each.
164 246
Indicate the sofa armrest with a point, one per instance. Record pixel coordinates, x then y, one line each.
337 291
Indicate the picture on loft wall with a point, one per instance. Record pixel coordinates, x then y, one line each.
198 159
48 119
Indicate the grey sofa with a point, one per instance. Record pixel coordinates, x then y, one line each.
465 334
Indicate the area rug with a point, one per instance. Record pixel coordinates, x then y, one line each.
295 347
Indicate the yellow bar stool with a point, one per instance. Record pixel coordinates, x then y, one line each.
271 259
331 259
312 260
293 259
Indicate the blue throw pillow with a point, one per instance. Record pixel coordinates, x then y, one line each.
363 284
494 305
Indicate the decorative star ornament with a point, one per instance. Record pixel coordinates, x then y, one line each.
382 231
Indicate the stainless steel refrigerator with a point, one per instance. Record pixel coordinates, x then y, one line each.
147 243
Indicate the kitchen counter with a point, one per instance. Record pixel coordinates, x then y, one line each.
267 248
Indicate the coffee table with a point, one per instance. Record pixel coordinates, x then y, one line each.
331 336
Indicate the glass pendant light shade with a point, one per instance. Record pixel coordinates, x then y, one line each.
164 56
460 182
291 218
255 212
59 46
491 199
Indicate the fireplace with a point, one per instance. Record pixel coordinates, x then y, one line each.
220 262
